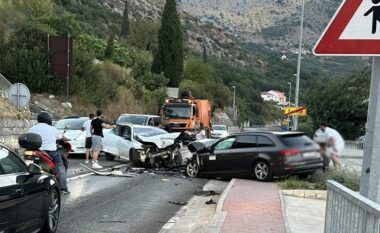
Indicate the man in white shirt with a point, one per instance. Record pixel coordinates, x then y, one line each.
50 135
87 129
336 142
202 133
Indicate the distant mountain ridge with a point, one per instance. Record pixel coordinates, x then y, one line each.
274 23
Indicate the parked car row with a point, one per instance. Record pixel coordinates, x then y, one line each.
262 154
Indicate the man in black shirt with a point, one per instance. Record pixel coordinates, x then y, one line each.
97 126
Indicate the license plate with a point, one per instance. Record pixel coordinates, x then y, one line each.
212 157
308 155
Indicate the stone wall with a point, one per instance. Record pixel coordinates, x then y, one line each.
10 130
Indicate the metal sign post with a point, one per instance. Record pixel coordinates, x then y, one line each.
370 179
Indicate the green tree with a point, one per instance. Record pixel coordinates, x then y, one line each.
170 55
143 34
342 103
204 54
198 71
124 33
110 46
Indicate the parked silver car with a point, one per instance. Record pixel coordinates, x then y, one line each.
139 119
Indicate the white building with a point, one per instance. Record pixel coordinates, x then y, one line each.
275 96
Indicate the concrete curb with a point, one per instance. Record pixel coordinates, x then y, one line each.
222 198
311 194
220 216
283 209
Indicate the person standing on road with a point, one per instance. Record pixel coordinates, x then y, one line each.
87 129
97 125
335 141
50 135
202 133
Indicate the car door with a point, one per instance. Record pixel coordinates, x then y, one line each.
29 191
111 140
8 203
267 149
240 157
217 160
125 141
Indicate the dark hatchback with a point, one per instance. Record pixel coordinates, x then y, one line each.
263 155
29 198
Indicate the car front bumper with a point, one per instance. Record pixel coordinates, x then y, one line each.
77 147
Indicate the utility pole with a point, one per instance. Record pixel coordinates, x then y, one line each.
290 93
299 65
233 104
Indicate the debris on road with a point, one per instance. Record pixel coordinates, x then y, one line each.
210 202
178 203
206 193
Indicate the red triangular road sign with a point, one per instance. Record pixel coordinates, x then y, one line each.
350 31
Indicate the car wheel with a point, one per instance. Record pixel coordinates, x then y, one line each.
52 216
192 168
262 171
134 158
109 157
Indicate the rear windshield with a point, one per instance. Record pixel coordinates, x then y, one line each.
296 140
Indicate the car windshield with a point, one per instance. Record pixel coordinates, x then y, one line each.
134 119
219 127
148 132
296 140
178 111
70 124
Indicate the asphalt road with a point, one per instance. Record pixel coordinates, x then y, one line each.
120 204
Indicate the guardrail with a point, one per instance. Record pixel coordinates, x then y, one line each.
348 211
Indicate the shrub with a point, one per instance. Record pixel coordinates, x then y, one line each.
317 181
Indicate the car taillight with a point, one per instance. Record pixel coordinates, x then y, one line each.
290 152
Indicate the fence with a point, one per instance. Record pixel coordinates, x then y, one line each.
350 212
353 149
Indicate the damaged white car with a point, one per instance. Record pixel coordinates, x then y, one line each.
142 145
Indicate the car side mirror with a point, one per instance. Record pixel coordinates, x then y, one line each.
34 169
127 138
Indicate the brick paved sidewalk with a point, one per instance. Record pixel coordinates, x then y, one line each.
253 207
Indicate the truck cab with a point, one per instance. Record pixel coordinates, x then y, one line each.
186 114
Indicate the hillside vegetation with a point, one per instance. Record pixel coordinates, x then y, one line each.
113 72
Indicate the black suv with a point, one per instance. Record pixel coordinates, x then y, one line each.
29 199
264 155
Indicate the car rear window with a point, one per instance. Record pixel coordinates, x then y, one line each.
296 140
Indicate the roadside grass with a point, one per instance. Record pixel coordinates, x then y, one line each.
317 181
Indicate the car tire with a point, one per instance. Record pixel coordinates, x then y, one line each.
192 169
134 158
109 157
262 171
52 215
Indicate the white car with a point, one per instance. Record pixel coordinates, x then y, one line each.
71 128
141 144
219 131
139 119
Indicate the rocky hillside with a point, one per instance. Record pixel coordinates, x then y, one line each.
274 23
198 34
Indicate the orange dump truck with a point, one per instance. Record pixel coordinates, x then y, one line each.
185 114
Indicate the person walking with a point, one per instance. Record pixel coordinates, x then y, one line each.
88 142
50 135
335 141
97 125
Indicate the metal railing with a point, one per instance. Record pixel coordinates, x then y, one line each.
353 149
350 212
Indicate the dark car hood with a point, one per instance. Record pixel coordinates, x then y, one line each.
202 145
